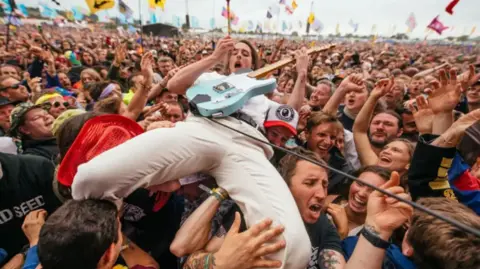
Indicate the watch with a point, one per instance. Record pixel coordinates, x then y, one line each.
373 238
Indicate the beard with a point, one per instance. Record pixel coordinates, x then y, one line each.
378 144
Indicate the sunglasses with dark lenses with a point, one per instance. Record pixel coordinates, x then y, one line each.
56 104
14 86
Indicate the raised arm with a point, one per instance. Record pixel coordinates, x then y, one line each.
360 126
194 233
140 97
352 82
189 74
298 94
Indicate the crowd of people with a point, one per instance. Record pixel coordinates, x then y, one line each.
106 164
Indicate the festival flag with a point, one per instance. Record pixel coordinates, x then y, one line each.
132 29
9 6
269 15
157 3
474 28
374 28
125 9
97 5
337 29
212 23
411 22
290 26
153 17
294 5
46 11
195 22
289 10
317 26
23 10
449 8
176 20
274 9
311 18
69 15
77 14
258 29
282 2
353 25
250 25
300 24
284 26
235 20
437 26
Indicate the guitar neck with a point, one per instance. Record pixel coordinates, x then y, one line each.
262 72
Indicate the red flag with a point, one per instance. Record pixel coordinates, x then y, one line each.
450 6
437 26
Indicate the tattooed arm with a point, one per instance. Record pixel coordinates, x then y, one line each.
200 260
331 259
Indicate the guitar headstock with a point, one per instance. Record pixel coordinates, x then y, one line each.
318 49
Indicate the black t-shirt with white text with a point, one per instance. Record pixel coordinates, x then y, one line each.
26 185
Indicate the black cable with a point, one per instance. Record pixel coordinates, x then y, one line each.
453 222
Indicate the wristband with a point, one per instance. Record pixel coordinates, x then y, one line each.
373 238
215 192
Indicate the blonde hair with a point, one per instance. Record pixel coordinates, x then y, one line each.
96 76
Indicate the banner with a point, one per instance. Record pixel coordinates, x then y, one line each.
157 3
97 5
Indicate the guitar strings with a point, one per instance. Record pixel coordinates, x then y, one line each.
453 222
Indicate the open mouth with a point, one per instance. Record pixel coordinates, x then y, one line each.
351 102
358 201
238 65
385 159
315 208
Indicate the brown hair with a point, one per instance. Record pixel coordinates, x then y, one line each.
254 53
439 245
93 73
408 143
320 117
165 59
288 163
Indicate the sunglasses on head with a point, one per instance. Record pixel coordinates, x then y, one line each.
14 86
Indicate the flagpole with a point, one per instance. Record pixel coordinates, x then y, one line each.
141 27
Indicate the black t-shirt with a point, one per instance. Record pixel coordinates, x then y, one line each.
151 230
344 119
26 186
322 236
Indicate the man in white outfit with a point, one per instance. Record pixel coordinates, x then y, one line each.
240 165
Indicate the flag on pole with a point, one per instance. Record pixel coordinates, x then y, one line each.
195 22
23 10
437 26
258 29
284 26
176 20
311 18
374 28
317 26
269 15
289 10
235 20
337 29
97 5
474 28
274 9
449 8
250 25
411 22
46 11
294 5
282 2
353 25
212 23
158 3
125 9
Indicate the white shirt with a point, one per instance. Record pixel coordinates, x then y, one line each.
256 107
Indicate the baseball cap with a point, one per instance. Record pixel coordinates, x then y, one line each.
282 115
17 116
4 101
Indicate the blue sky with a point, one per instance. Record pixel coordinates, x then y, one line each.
389 15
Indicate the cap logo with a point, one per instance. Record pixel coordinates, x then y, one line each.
285 113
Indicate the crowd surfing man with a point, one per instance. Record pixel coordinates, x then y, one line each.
358 108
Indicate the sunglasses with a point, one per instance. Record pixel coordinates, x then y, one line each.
55 104
14 86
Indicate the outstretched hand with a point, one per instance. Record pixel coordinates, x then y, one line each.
353 82
455 133
422 114
445 95
385 213
248 249
382 87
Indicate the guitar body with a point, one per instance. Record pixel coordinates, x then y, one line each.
223 97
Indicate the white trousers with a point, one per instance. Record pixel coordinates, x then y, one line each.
238 164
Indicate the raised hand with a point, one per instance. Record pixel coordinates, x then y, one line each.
445 94
353 82
339 218
302 58
382 87
248 249
120 54
224 46
146 65
32 224
455 133
470 79
384 213
422 114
